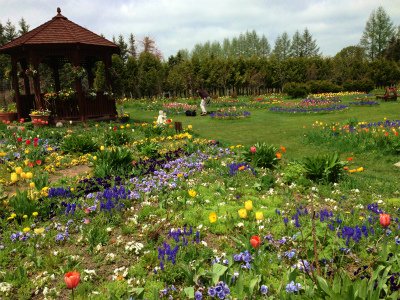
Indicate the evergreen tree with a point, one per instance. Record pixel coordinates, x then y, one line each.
310 48
296 47
23 27
10 32
282 47
123 47
264 48
377 33
2 37
132 46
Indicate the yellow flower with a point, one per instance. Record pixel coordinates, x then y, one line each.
122 126
14 177
2 154
29 175
360 169
26 229
18 170
35 214
31 185
212 217
248 205
128 125
192 193
72 189
241 168
259 215
95 157
13 215
26 151
190 127
102 148
23 175
242 213
179 175
25 216
49 149
39 230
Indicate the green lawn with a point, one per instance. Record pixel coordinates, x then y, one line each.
289 130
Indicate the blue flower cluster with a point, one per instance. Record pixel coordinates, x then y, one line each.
293 287
244 257
355 233
220 290
230 115
234 168
309 109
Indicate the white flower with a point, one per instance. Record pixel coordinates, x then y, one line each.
110 257
204 243
240 225
109 229
133 246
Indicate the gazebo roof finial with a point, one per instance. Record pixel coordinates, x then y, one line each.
58 10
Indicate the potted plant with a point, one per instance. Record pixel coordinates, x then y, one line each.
8 111
40 117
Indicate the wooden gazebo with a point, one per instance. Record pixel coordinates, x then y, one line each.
55 43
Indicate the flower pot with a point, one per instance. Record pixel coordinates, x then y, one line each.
8 117
40 120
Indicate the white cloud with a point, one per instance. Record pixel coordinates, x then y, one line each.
177 24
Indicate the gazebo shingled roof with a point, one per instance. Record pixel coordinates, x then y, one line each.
59 30
54 43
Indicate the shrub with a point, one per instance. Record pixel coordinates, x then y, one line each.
295 89
293 172
263 157
116 138
78 143
364 85
325 168
323 86
111 162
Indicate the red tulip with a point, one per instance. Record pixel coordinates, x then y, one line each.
27 142
38 162
72 279
384 219
255 241
253 149
19 139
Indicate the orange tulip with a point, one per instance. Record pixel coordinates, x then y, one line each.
72 279
278 155
283 149
255 241
384 219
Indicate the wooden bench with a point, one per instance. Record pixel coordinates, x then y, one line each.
390 94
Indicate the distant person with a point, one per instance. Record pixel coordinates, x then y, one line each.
205 98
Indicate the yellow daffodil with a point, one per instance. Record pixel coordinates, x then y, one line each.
248 205
18 170
242 213
39 230
14 177
212 217
259 215
192 193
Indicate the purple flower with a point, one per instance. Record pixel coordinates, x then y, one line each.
264 289
198 295
293 287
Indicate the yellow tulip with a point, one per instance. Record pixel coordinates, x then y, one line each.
212 217
29 175
14 177
102 148
360 169
259 215
39 230
248 205
31 185
242 213
18 170
25 216
192 193
23 175
26 229
35 214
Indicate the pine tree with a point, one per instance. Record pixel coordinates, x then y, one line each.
310 48
377 33
296 48
282 47
123 47
10 32
132 46
23 27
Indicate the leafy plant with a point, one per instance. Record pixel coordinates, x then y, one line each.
265 156
325 168
21 203
116 138
111 162
78 143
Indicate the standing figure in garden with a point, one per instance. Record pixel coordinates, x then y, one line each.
205 98
162 117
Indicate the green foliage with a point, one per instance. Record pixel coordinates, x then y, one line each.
327 168
79 143
296 90
96 235
323 86
292 172
21 204
264 157
149 150
116 138
365 85
113 161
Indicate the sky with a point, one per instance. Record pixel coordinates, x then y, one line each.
181 24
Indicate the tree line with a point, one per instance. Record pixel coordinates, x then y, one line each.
247 64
